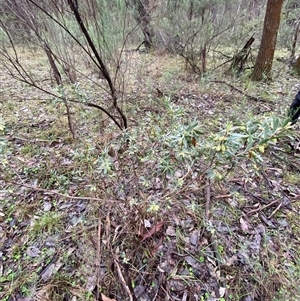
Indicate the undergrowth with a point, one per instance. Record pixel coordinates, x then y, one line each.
180 205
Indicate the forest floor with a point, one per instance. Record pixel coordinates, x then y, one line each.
161 212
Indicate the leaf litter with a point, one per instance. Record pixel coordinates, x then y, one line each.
68 233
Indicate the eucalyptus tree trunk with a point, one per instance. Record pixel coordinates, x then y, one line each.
264 60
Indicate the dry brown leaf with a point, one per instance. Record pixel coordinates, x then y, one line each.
156 228
244 225
44 293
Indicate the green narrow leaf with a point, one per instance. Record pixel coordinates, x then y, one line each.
286 122
275 124
266 131
250 143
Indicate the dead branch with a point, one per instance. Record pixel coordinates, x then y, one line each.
240 91
54 192
201 56
240 59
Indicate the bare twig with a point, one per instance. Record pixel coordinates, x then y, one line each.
25 78
59 82
189 57
95 57
108 228
122 279
207 199
261 208
223 196
159 285
98 257
276 209
30 140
